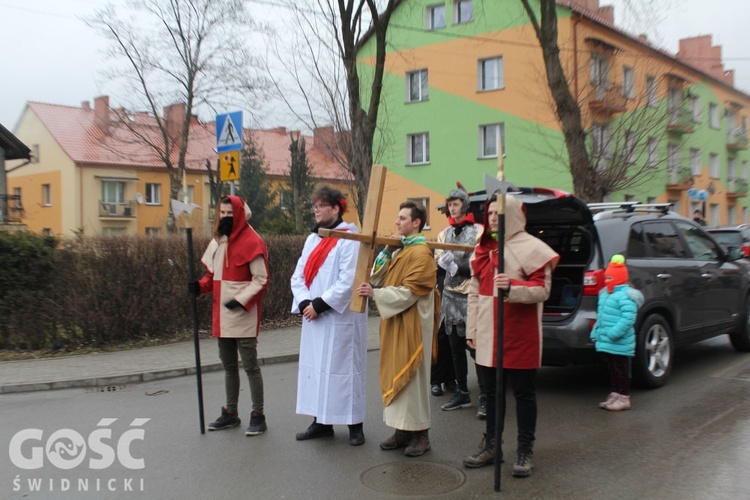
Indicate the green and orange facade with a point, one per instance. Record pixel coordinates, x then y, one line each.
457 71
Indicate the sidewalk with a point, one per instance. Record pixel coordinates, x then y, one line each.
146 364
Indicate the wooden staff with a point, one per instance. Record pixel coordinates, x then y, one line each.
499 374
386 240
178 208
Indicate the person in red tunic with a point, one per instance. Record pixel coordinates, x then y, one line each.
236 263
526 283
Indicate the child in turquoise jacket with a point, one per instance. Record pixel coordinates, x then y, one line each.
614 333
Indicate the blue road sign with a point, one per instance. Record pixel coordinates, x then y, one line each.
229 132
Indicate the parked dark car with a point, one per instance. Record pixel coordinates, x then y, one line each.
693 288
737 237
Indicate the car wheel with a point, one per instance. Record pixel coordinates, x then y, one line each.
740 337
654 352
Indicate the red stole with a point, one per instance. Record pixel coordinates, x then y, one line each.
317 257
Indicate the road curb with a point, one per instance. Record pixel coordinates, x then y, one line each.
136 378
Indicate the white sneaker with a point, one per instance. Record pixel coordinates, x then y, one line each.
610 399
619 404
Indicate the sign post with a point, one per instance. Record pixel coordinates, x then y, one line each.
229 135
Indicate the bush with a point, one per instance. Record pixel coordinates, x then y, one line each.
112 289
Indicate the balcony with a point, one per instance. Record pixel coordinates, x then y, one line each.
607 99
123 210
737 139
11 210
737 188
680 178
680 121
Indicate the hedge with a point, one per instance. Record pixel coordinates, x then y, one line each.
98 291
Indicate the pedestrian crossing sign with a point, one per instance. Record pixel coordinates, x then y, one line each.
229 166
229 132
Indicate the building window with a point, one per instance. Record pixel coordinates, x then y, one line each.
731 215
46 195
190 191
695 161
628 82
435 16
418 148
713 116
113 231
744 215
488 137
113 193
651 200
35 153
599 70
652 96
462 11
285 200
46 231
416 86
153 231
153 194
713 214
490 73
425 202
601 143
731 119
673 159
653 157
713 165
695 108
17 195
744 171
629 147
732 174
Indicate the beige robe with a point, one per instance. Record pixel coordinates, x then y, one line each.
408 406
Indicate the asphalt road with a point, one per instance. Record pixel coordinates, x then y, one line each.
689 439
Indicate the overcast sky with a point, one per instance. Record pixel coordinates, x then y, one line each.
50 55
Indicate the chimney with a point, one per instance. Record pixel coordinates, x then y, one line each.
324 140
277 130
700 53
174 115
643 38
607 13
86 105
101 113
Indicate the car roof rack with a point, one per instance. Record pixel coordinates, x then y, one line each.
630 207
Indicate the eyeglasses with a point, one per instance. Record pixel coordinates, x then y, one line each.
320 206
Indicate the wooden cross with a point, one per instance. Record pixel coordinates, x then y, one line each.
368 238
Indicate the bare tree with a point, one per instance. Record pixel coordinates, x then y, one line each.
341 28
190 52
568 112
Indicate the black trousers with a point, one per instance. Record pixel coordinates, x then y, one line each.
460 364
442 371
524 390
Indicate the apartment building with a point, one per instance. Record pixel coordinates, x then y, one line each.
461 74
89 173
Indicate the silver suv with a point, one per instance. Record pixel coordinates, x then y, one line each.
694 289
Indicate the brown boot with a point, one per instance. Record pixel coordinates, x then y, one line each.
485 455
420 443
399 439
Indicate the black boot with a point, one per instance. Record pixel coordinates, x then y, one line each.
356 436
315 430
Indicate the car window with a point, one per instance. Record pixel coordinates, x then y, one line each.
662 240
701 246
636 245
729 238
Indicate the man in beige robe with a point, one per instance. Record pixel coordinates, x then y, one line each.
406 305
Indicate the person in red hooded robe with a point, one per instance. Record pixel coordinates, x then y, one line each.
526 284
236 263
